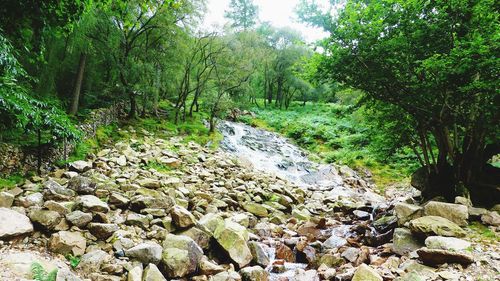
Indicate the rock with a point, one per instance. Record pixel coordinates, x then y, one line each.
463 201
54 191
456 213
283 252
334 242
45 218
226 276
201 238
351 254
20 263
32 200
209 268
182 217
80 166
152 273
407 212
135 274
118 199
79 218
446 243
18 224
93 204
435 257
259 253
432 226
404 242
254 273
102 230
181 255
304 214
92 261
146 253
233 239
366 273
66 242
64 274
362 215
256 209
81 185
491 218
6 200
476 213
137 220
210 222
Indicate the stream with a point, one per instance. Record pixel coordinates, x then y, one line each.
271 153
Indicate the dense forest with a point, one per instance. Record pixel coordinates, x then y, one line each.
396 85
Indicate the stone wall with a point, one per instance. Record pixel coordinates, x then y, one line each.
15 159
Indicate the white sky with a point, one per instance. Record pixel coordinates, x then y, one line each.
279 13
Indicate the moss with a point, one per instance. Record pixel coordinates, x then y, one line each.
11 181
483 232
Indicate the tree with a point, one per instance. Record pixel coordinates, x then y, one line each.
242 13
433 60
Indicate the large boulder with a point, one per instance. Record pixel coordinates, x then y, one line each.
233 239
66 242
260 253
446 243
181 255
18 224
432 226
404 242
366 273
45 218
146 253
435 257
406 212
456 213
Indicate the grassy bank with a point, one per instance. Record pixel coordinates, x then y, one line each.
335 133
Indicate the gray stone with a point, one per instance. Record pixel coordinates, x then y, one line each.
81 185
404 242
435 226
79 218
351 254
54 191
18 224
233 239
182 217
436 257
146 253
80 166
226 276
6 200
102 230
135 274
64 274
366 273
152 273
491 218
334 242
93 204
45 218
32 200
446 243
254 273
259 253
92 261
181 255
66 242
456 213
407 212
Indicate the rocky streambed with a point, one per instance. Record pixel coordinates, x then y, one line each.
152 209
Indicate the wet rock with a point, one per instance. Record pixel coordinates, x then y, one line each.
491 218
233 239
407 212
362 215
102 230
81 185
254 273
256 209
66 242
259 253
152 273
446 243
6 200
404 242
334 242
308 275
79 218
80 166
456 213
182 217
436 257
435 226
283 252
146 253
93 204
18 224
45 218
366 273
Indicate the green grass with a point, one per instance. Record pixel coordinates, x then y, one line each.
483 231
40 274
335 133
11 181
74 261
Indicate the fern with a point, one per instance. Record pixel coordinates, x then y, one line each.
40 274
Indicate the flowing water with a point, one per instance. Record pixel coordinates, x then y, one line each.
272 153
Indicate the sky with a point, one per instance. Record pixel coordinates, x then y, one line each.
279 13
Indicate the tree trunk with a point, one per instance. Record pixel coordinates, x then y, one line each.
39 154
133 105
78 85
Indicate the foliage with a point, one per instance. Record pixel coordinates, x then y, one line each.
11 181
40 274
74 261
242 13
